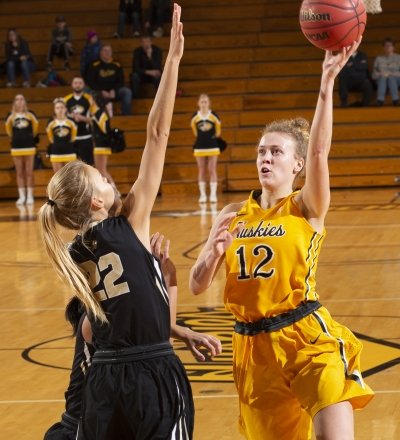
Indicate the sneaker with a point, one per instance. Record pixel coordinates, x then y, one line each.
203 199
213 198
136 34
30 200
396 102
21 201
379 103
116 35
26 84
9 85
158 32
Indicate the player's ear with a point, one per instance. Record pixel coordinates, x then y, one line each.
97 203
298 165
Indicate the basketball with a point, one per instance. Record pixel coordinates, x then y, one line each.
332 24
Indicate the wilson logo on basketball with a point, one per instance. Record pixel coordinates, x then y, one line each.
318 36
309 15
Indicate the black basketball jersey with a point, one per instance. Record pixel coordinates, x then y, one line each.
126 279
82 360
101 128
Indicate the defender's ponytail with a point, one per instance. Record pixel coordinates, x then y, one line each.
64 265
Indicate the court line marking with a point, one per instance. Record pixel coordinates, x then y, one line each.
346 300
217 396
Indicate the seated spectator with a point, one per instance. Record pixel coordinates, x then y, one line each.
146 65
158 13
386 73
90 52
106 77
61 45
355 77
18 59
129 10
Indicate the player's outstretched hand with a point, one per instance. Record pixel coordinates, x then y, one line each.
194 341
167 266
334 63
177 40
222 238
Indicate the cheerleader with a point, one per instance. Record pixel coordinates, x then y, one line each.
22 127
61 132
206 127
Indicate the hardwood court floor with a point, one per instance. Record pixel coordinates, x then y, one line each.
358 281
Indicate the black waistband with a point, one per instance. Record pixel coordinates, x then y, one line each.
69 421
267 325
134 353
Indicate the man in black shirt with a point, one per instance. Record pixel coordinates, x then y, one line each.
355 77
107 78
146 66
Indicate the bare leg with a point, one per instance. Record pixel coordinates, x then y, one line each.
335 422
202 167
20 171
100 162
57 166
28 163
212 170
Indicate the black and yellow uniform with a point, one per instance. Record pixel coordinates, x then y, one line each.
22 129
61 136
101 132
291 359
136 387
83 105
206 129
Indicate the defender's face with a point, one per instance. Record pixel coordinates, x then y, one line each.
276 161
103 191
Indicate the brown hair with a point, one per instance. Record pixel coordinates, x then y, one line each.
70 195
298 129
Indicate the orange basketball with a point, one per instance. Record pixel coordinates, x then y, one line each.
332 24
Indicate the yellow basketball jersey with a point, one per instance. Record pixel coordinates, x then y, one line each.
271 264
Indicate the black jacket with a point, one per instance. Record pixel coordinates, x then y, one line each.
13 53
129 6
141 62
105 76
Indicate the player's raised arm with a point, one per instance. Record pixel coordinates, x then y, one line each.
315 195
140 200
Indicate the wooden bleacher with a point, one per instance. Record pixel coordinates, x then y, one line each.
250 56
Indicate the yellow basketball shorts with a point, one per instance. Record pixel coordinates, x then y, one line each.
285 377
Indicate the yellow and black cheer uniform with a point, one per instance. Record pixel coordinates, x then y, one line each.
101 133
291 359
22 129
62 135
83 105
206 129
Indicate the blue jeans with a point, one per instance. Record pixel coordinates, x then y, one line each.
26 67
122 18
392 83
124 95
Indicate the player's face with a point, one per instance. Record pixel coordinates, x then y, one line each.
59 110
77 85
276 162
103 190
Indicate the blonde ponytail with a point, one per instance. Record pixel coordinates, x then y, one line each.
70 192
